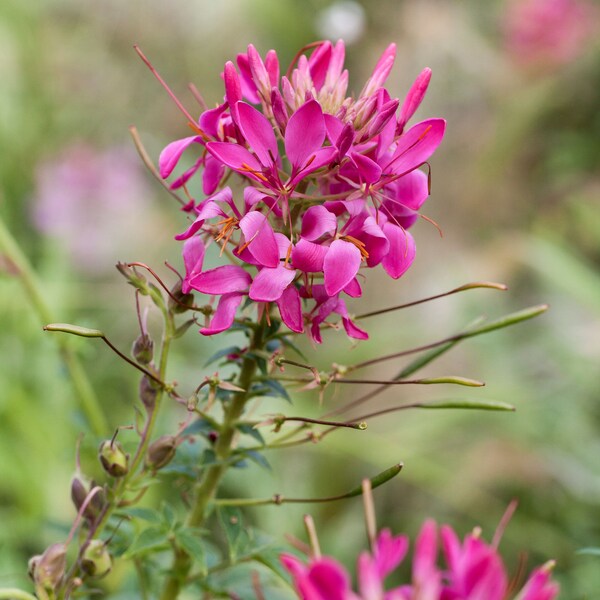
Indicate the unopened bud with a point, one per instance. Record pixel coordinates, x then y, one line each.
48 569
96 560
79 493
148 392
113 458
134 278
178 301
161 452
143 349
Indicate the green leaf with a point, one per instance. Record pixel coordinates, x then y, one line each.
288 344
249 429
168 515
469 404
150 539
221 353
256 457
270 558
146 514
190 541
276 390
507 321
232 525
74 330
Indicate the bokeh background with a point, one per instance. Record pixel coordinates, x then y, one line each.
515 190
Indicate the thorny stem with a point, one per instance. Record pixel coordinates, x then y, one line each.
206 488
90 404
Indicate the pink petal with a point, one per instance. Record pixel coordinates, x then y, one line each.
259 72
353 331
209 120
376 242
235 157
318 64
412 189
321 157
329 580
333 127
279 110
272 66
224 315
283 244
308 257
187 175
233 88
207 210
539 586
353 289
340 266
222 280
389 551
171 154
383 67
290 309
416 146
304 134
368 169
212 175
414 98
401 253
425 552
383 117
258 132
336 64
370 582
260 239
249 90
317 222
269 284
193 257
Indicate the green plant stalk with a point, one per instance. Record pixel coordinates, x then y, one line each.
88 400
15 594
207 486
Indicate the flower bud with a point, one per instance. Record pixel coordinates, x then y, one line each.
147 392
143 349
161 452
48 569
79 493
134 278
96 560
113 458
178 301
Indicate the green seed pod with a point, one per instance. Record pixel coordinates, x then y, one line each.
161 452
48 569
143 349
96 561
113 458
178 301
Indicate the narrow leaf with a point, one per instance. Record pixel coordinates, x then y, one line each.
150 539
222 353
508 320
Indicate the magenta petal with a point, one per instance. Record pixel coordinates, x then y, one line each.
389 551
233 88
269 284
193 257
283 244
258 131
249 90
318 64
290 309
308 257
353 289
414 98
236 157
260 238
212 175
171 154
425 552
207 210
187 175
340 266
209 120
334 127
320 158
353 331
376 242
412 189
304 134
416 146
368 169
401 253
224 315
327 580
318 221
222 280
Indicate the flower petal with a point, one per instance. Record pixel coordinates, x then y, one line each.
224 315
304 134
340 266
269 284
414 98
221 280
401 253
316 222
171 154
368 169
260 238
290 309
308 257
235 157
258 132
193 257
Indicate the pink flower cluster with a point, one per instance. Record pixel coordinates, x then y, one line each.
475 571
331 185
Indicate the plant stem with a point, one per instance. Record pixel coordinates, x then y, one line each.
88 400
16 594
207 486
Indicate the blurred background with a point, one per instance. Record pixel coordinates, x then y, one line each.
516 191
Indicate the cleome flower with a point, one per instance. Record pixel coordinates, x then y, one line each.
473 571
331 184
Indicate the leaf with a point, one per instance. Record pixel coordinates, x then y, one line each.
221 353
249 429
589 551
74 330
256 457
507 321
270 559
469 404
202 426
272 389
153 538
232 525
180 331
286 342
168 515
146 514
190 541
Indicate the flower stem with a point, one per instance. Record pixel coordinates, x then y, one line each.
15 594
88 400
207 486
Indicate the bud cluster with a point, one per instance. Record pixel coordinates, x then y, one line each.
331 185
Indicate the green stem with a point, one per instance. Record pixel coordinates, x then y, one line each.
16 594
207 486
83 388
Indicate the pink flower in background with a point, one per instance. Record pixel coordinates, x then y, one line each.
90 200
473 570
549 33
